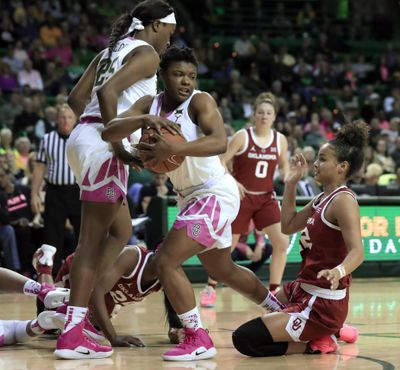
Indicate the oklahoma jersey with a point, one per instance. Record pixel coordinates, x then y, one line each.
128 289
254 166
321 244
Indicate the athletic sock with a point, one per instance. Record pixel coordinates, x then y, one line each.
74 316
21 334
271 303
212 285
32 288
191 319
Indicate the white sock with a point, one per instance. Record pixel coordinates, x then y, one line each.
9 331
32 287
271 303
74 316
191 319
21 334
36 328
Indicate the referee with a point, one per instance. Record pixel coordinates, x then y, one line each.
62 193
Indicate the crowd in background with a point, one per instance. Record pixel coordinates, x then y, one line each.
320 81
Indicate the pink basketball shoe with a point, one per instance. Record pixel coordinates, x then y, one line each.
208 296
348 334
75 345
88 328
325 344
197 345
51 296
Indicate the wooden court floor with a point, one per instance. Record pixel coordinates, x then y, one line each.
375 310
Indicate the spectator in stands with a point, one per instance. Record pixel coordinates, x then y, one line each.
22 150
382 157
46 124
245 51
160 186
18 198
396 152
24 123
8 81
50 33
371 176
20 55
29 76
314 137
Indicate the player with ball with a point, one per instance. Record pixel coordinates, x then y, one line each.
208 197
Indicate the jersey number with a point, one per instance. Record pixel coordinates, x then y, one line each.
106 67
305 241
118 296
261 169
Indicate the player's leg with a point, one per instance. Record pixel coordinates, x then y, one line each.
208 295
12 282
97 220
218 262
178 247
280 243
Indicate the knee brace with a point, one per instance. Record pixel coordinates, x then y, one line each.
254 339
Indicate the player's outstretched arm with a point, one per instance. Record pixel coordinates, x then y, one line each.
122 266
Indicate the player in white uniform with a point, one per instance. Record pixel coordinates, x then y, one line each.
17 331
115 79
208 197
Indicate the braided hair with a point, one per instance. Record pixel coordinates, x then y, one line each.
147 11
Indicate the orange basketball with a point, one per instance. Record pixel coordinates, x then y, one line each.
170 164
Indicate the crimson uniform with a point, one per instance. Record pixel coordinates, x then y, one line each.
127 290
315 310
254 168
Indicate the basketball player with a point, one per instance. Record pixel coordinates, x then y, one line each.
208 197
116 78
16 331
256 151
130 279
331 249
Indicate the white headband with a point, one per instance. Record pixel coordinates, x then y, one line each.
137 24
170 19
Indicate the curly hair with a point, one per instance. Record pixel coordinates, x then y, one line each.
177 54
349 144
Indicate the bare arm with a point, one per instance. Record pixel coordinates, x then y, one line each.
37 180
234 146
127 122
345 213
283 160
291 220
80 94
122 266
143 64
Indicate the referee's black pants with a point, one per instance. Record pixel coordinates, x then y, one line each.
61 203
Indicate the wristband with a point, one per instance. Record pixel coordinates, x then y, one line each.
341 269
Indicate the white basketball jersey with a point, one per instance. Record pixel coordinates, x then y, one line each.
109 66
193 171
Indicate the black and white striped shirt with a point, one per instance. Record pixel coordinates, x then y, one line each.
52 152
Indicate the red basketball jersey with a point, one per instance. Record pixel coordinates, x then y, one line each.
63 272
128 289
254 166
321 244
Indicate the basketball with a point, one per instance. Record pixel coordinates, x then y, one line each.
170 164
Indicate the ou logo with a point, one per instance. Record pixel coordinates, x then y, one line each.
196 230
296 324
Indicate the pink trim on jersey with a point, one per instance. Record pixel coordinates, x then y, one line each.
108 193
1 340
194 217
102 173
159 105
90 119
